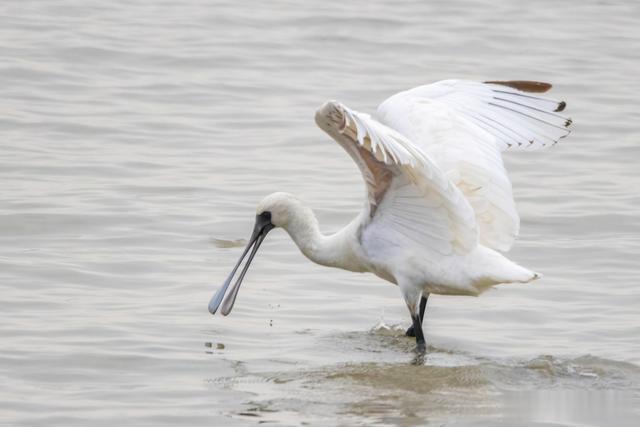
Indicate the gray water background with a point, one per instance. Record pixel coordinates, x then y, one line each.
136 138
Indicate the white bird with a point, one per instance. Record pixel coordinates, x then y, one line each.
439 203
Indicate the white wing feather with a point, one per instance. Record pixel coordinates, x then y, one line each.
464 126
411 201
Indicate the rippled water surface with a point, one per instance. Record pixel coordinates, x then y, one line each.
136 138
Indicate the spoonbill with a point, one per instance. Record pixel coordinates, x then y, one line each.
439 206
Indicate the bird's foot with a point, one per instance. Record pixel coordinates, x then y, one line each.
410 332
419 359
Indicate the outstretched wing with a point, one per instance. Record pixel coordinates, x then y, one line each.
410 201
464 126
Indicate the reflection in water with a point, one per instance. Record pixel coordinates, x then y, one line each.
449 388
406 394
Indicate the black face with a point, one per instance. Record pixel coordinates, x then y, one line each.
262 226
264 219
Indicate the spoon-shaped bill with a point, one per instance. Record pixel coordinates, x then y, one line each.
262 226
230 299
217 298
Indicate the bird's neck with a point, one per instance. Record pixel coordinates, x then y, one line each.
332 250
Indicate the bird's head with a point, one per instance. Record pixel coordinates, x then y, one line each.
280 208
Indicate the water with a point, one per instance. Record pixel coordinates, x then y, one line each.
137 137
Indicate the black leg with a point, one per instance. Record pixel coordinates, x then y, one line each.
423 305
421 347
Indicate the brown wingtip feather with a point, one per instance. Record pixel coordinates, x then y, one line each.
524 85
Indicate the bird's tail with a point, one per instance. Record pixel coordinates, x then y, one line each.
498 269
